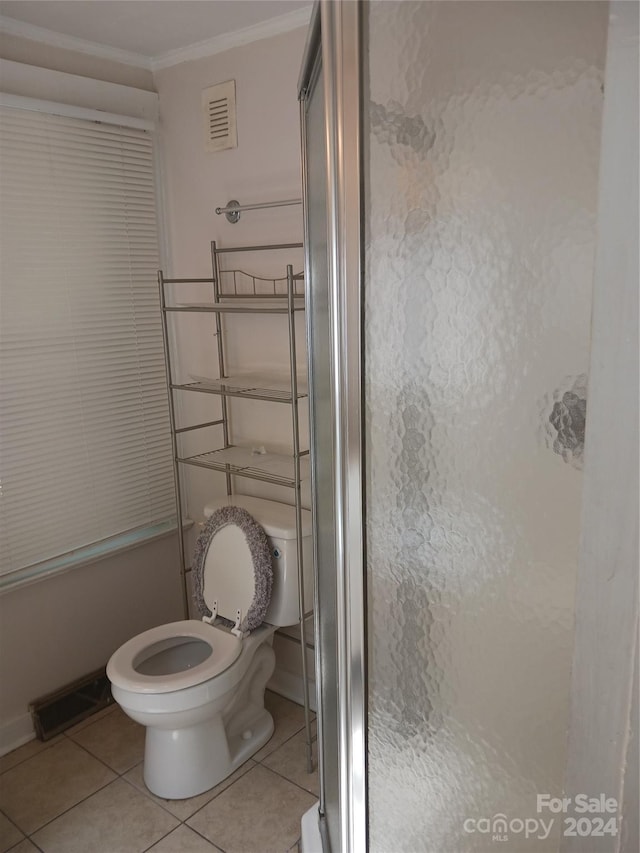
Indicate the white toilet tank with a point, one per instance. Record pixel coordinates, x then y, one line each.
279 523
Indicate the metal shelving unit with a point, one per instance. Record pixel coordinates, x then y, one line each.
234 291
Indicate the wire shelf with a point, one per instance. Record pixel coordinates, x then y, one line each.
238 305
236 283
274 468
252 386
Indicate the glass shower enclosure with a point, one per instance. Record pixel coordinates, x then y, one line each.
451 162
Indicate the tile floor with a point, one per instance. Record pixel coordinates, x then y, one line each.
82 792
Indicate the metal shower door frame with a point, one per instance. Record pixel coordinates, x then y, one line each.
336 38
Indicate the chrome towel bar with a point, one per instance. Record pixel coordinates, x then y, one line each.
233 208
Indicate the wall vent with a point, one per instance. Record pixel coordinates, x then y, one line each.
219 115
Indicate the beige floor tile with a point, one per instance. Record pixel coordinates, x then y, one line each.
41 788
25 846
9 834
288 718
89 721
115 739
183 840
260 813
290 760
118 819
183 809
22 753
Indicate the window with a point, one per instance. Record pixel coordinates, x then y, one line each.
85 452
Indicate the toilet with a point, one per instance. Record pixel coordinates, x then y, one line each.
198 685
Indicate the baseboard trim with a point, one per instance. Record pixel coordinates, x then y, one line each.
16 733
290 686
19 731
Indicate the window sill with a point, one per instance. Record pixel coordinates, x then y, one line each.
89 554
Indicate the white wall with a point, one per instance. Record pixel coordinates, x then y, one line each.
59 629
264 167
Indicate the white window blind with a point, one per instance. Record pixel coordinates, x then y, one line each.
85 449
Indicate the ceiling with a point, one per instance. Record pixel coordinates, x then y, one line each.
148 28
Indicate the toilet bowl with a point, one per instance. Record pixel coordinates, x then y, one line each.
198 686
180 681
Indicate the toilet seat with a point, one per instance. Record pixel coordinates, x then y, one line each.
122 672
232 571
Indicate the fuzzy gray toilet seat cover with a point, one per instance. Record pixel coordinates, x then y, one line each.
260 555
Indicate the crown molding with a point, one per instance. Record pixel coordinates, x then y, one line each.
208 47
92 48
238 38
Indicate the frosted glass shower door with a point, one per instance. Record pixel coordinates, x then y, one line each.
482 131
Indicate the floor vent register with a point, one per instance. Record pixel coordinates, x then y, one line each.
57 711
